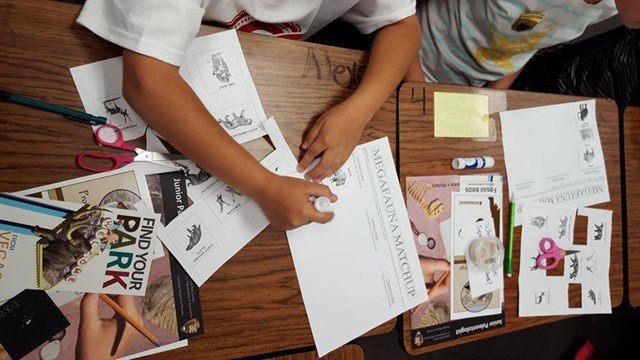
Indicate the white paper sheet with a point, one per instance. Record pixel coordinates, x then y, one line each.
542 294
361 269
553 155
215 69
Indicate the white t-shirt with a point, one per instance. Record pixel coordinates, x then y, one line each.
470 42
163 29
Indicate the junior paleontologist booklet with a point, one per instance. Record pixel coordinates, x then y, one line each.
74 247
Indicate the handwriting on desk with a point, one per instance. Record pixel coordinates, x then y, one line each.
348 75
416 97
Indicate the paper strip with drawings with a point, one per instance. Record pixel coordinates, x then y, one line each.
553 155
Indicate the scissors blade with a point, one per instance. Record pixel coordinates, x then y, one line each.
157 157
569 252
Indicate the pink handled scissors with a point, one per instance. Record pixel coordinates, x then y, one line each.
104 136
551 254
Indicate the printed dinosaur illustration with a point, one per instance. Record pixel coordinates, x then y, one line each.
563 227
221 202
598 232
339 178
584 111
535 263
590 269
113 108
220 68
589 155
540 297
237 121
592 295
196 179
195 234
538 222
233 192
574 266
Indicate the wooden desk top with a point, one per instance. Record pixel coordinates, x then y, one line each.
632 166
252 305
422 154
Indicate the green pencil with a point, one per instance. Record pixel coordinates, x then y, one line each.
509 251
71 114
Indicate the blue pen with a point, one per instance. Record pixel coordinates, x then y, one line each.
70 114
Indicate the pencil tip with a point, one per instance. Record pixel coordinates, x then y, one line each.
158 343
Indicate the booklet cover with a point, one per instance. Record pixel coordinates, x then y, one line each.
451 311
73 247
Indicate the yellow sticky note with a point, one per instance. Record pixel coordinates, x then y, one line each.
461 115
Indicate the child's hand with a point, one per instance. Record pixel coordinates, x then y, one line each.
285 201
105 338
336 133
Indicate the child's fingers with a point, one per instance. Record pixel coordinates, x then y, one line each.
333 167
312 135
323 166
89 306
321 190
314 150
321 217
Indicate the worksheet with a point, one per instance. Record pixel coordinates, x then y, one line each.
579 283
214 67
553 155
362 268
223 220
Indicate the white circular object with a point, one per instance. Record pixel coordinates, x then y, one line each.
423 239
50 351
322 204
487 253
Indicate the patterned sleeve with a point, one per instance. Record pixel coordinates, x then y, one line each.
162 29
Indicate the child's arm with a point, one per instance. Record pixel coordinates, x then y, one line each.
338 131
157 92
629 11
415 73
505 82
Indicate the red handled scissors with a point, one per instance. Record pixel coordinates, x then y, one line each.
104 136
551 254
